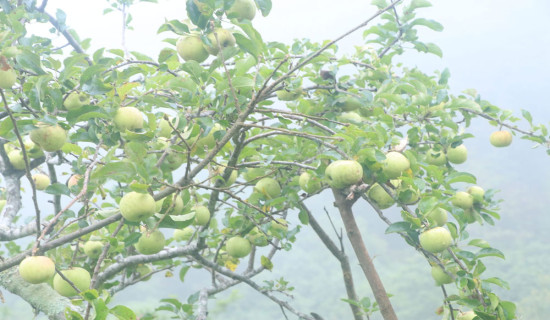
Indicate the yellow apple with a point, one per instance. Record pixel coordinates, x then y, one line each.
41 181
501 139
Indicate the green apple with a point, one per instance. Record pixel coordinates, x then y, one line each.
238 247
183 234
435 240
289 95
278 226
75 100
10 52
257 238
143 270
378 195
177 206
50 138
150 242
7 76
462 200
232 177
253 173
394 164
41 181
33 150
78 276
469 315
93 248
437 217
137 207
225 39
191 48
501 139
436 157
16 159
269 187
352 117
344 173
165 130
202 215
36 269
457 155
477 193
209 141
2 204
242 9
309 183
440 276
349 104
128 118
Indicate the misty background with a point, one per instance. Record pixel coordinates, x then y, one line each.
500 48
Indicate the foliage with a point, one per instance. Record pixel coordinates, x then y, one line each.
261 109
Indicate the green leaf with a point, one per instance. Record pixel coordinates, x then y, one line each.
401 226
499 282
30 61
266 263
490 252
85 113
175 26
101 310
380 4
527 116
58 189
195 15
415 4
265 6
432 24
455 177
304 218
183 272
479 243
122 313
114 170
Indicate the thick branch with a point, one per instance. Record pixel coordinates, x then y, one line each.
354 235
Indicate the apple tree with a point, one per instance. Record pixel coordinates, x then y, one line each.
197 157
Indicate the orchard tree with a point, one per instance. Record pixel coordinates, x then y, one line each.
197 157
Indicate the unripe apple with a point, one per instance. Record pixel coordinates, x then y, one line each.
253 173
78 276
351 116
93 248
309 183
349 104
177 205
440 276
269 187
191 48
33 150
142 270
289 95
165 130
435 240
41 181
279 226
436 157
501 139
128 118
469 315
49 138
2 204
16 159
462 200
75 100
242 9
238 247
344 173
150 243
394 164
457 155
379 196
183 234
36 269
225 39
437 217
137 207
10 52
209 141
232 177
477 193
257 238
7 76
202 215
